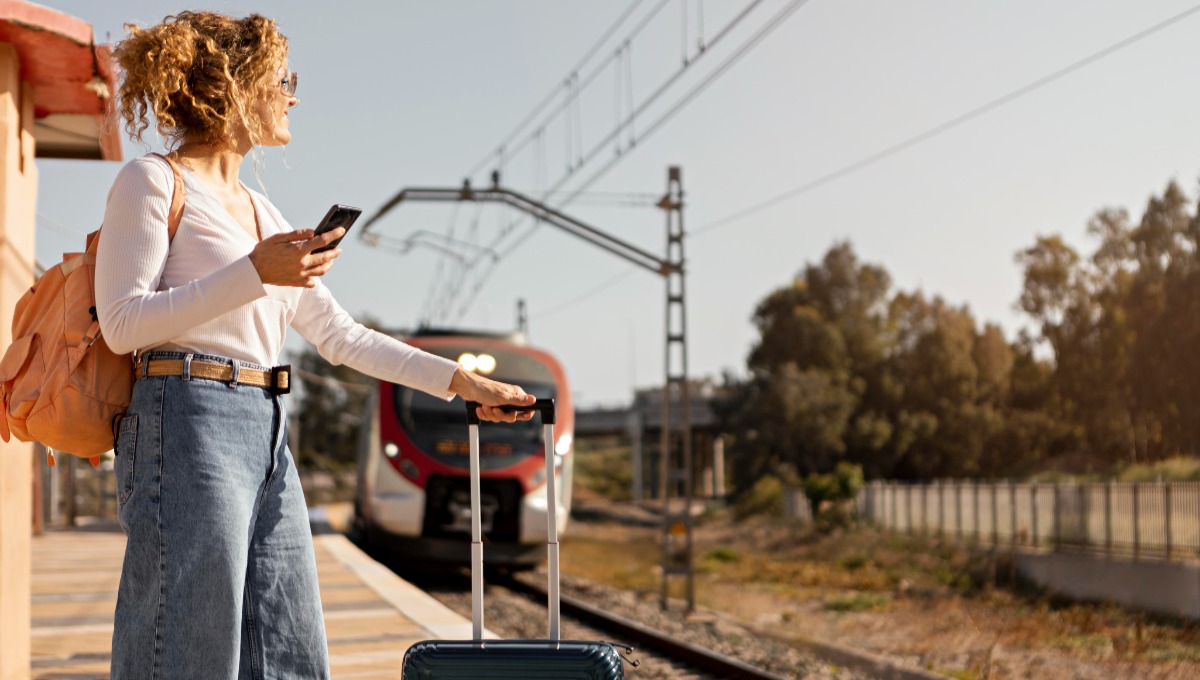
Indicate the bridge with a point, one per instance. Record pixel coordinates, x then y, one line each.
640 424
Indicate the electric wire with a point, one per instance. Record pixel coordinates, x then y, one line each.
739 52
564 305
942 127
628 122
59 226
554 92
712 77
573 129
912 141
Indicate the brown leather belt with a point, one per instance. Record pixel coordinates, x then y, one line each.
277 380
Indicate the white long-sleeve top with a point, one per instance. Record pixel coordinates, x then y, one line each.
200 293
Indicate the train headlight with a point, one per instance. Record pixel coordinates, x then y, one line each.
563 445
468 361
391 450
483 363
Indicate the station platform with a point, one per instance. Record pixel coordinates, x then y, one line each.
371 615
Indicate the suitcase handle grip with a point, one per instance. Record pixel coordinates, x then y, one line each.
544 406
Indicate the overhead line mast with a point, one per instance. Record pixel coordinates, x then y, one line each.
676 426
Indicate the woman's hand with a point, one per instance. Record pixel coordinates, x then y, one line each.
491 394
287 259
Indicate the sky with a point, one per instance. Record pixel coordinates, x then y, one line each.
404 94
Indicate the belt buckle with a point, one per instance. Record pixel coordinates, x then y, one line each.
281 374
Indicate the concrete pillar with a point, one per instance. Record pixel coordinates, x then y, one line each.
718 466
18 200
634 427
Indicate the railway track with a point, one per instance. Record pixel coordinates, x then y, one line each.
653 645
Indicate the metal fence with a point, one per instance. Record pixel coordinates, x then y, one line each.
1160 519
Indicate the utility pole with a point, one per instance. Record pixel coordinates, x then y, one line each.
522 319
677 523
676 471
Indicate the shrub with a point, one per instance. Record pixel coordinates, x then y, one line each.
764 498
830 494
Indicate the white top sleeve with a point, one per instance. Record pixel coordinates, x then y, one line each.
342 340
134 313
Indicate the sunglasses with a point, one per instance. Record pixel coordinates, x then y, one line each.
287 85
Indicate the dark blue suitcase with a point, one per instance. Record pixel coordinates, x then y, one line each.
479 658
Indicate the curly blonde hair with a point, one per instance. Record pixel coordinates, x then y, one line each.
199 74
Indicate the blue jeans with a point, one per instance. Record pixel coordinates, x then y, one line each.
219 578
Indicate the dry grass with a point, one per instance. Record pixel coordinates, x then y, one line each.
926 603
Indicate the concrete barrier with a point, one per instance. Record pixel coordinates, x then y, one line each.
1171 588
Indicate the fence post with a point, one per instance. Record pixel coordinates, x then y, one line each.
1057 519
958 523
1108 517
1085 511
895 506
908 513
1012 503
1137 538
941 502
924 509
995 487
1167 516
975 492
1033 515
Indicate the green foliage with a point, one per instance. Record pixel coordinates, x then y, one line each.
1122 325
842 484
857 602
902 385
854 562
1177 469
722 555
606 472
911 387
830 495
764 498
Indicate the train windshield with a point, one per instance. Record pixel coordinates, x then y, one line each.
439 427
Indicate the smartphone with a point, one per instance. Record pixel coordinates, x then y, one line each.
338 216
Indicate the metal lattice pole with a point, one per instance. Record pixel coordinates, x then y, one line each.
677 524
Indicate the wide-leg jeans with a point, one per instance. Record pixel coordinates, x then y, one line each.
219 579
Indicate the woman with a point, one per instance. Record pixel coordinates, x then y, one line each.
219 578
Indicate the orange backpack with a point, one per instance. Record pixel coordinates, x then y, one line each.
60 384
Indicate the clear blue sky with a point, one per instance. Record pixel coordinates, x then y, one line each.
396 94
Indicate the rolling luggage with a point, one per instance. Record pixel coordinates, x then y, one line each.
479 658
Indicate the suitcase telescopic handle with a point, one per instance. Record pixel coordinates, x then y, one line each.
543 406
546 408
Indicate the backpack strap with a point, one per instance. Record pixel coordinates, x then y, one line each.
178 198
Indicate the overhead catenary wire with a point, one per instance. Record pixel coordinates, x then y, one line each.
585 81
629 121
59 226
896 148
570 107
554 92
712 77
944 127
591 292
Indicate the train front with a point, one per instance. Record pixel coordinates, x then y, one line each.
413 487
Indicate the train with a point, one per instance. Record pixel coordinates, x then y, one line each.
412 490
